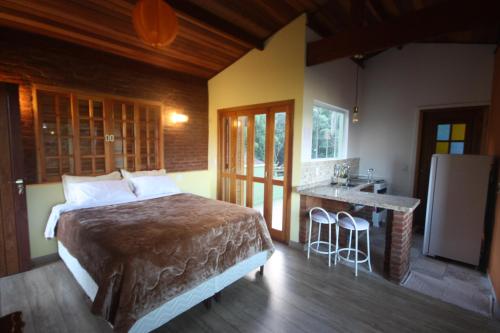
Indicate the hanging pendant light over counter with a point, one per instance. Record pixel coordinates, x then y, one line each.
155 22
355 109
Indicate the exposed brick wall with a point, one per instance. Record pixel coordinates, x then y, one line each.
398 245
30 59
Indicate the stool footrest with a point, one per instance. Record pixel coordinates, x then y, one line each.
346 249
317 243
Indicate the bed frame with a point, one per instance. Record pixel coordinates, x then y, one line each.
174 307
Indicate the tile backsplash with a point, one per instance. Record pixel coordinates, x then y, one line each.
322 170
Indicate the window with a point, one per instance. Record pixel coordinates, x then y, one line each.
329 135
450 144
88 135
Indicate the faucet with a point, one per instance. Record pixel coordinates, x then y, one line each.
336 173
370 175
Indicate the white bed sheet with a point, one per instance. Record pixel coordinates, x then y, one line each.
57 210
181 303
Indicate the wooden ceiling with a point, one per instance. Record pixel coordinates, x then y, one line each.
212 33
340 17
335 16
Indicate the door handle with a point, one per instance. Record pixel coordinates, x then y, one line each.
20 185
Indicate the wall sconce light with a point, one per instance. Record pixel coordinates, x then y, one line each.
178 118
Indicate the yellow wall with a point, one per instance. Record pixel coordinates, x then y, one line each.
274 74
41 198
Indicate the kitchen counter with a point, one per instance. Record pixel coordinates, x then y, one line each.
398 223
355 195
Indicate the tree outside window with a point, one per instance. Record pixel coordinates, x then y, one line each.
329 134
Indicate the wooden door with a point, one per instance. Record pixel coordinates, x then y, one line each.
255 161
14 242
444 131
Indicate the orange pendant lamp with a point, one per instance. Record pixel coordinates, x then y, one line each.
155 22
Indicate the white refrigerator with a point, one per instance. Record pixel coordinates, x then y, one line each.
456 206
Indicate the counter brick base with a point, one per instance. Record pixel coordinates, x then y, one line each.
398 245
398 234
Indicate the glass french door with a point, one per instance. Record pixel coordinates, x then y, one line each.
255 159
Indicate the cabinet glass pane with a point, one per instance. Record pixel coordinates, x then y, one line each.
97 109
50 145
130 163
85 146
66 146
52 167
100 165
83 108
118 146
130 146
129 130
65 124
84 127
119 162
99 146
98 128
86 165
67 165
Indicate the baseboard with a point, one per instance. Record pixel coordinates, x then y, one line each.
296 245
496 302
44 260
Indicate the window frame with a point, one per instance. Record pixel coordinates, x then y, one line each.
107 102
345 142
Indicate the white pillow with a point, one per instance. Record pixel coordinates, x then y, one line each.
146 186
84 193
67 179
128 174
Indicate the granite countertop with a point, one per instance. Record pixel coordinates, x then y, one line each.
354 195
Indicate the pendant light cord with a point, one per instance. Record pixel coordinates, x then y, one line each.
357 75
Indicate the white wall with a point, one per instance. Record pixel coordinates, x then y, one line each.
397 83
332 83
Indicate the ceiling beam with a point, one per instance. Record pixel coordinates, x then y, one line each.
199 16
449 16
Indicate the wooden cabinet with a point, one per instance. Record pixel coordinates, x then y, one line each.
90 135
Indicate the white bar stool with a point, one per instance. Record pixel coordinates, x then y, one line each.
321 216
357 225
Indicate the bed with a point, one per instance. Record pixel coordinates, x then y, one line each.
144 262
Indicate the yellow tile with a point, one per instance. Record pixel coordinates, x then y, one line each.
442 147
458 132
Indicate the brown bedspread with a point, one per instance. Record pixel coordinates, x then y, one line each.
144 253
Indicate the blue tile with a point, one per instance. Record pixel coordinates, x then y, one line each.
443 132
457 148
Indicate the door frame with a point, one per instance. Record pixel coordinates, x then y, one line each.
423 111
16 161
482 108
287 180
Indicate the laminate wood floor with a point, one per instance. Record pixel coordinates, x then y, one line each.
294 295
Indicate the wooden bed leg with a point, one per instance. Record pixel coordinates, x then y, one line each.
217 296
261 271
208 303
